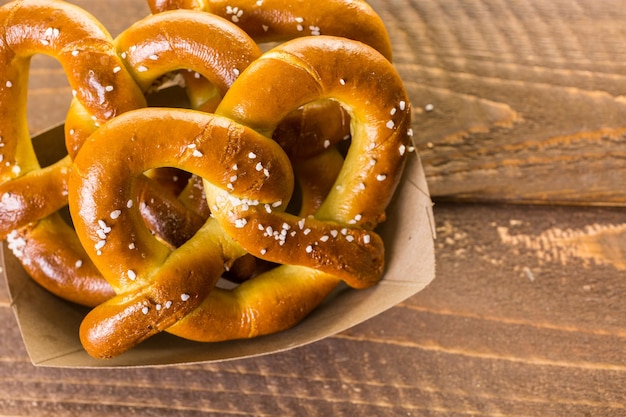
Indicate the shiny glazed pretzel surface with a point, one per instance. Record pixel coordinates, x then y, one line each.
157 254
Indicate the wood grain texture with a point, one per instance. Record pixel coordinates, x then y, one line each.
526 98
526 316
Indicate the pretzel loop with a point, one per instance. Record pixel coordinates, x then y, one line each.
161 44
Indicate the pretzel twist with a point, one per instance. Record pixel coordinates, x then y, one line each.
317 252
29 193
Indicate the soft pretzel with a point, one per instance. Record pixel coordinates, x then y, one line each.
319 251
27 192
149 277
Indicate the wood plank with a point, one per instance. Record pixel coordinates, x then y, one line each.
527 97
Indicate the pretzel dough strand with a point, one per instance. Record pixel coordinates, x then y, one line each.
32 196
199 42
63 269
178 287
269 303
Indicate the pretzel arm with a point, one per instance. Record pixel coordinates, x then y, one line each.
32 196
64 269
183 39
183 281
269 303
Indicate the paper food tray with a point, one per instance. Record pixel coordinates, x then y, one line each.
49 325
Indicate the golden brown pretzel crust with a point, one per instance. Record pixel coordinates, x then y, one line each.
360 79
199 42
63 269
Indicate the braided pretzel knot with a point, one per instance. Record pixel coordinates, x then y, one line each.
29 195
163 290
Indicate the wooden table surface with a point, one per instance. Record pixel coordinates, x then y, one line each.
516 102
